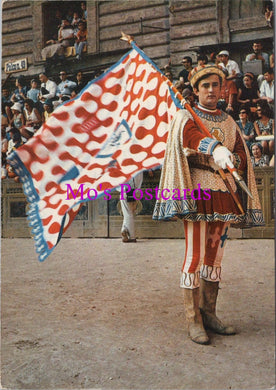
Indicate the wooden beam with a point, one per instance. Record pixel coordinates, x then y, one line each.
12 14
193 16
194 30
223 34
133 16
17 25
106 8
132 29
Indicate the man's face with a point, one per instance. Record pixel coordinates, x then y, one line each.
42 78
186 63
209 91
64 22
268 77
5 93
62 76
257 47
223 58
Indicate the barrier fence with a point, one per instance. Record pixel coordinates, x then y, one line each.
101 218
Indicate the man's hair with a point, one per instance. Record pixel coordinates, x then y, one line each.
270 71
189 59
205 77
258 41
202 57
30 102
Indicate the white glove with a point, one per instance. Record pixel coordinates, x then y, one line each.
222 157
213 164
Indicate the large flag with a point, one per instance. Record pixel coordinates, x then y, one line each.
115 128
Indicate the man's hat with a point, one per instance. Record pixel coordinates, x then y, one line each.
223 52
207 70
17 107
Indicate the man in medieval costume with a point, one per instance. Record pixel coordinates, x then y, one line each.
208 207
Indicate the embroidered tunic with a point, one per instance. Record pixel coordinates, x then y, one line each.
195 173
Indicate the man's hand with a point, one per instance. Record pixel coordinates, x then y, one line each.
222 157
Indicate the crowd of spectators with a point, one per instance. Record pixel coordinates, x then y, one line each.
247 97
26 108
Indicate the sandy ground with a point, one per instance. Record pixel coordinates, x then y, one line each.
102 314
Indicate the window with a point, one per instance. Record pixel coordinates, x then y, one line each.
53 12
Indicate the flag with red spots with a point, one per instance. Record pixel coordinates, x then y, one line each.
115 128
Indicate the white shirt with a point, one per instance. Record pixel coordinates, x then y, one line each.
51 87
267 90
230 66
65 87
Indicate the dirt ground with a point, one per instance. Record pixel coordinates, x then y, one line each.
102 314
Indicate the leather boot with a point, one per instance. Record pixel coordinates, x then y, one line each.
208 300
193 316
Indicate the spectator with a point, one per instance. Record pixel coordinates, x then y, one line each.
48 109
48 88
248 93
33 119
18 120
230 65
246 127
65 87
75 22
20 92
202 61
14 143
189 96
267 88
6 103
56 49
271 61
83 10
57 22
268 12
264 125
69 14
179 86
34 91
258 159
258 54
169 75
228 95
183 75
80 82
4 149
6 99
4 140
213 59
81 40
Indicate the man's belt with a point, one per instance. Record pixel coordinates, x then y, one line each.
202 161
194 164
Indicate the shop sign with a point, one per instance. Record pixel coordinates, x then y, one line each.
16 65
